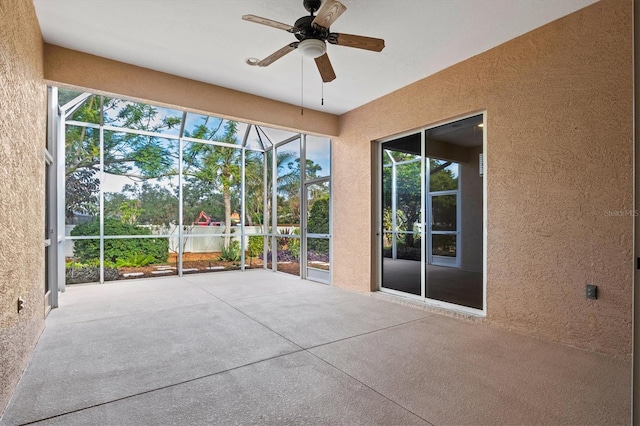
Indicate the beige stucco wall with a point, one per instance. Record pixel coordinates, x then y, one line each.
22 139
100 75
559 161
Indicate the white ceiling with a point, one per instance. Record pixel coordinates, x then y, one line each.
207 40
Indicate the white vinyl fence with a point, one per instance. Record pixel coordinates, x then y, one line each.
197 239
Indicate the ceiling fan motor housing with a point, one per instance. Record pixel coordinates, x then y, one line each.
306 30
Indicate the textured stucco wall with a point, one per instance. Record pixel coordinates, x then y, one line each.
73 68
22 139
559 170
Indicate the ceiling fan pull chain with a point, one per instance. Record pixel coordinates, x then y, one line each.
322 91
301 85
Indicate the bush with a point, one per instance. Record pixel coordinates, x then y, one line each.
319 224
231 253
135 261
314 256
294 244
403 252
255 246
88 250
318 245
283 256
76 273
93 263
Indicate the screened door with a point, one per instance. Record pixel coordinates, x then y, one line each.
317 256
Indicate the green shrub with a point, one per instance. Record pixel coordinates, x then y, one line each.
256 245
403 252
135 261
93 263
89 250
318 223
294 244
318 245
231 253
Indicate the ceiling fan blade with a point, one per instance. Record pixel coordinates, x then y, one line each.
277 55
325 68
359 42
328 14
269 23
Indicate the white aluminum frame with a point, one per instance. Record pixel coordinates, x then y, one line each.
58 136
52 242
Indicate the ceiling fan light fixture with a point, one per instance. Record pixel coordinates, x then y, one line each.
312 48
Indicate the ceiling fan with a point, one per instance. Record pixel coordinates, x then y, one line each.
312 33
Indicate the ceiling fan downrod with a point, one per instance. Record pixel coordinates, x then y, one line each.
312 6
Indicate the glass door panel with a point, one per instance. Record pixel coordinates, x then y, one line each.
401 218
454 188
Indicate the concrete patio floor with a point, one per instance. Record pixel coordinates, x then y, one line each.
265 348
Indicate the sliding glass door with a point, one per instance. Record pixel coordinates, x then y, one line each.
431 215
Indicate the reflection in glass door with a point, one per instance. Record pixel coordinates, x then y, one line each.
444 225
401 218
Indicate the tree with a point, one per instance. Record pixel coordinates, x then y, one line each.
81 192
408 196
112 203
159 205
146 203
199 195
219 166
442 177
289 181
140 157
130 210
255 164
408 190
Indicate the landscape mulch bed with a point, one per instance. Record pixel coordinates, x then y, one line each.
203 261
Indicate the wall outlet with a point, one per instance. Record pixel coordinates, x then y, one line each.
592 291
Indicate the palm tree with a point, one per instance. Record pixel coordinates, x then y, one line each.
255 162
218 165
288 185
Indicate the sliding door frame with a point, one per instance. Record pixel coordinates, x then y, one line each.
425 217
